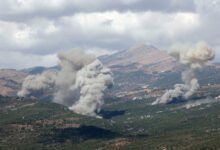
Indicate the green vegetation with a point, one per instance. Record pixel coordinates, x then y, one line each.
126 124
128 81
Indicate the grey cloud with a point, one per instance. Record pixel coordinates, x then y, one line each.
13 10
68 35
44 28
209 17
210 20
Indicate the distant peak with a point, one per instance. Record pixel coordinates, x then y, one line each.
142 47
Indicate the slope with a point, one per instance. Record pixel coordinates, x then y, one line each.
140 57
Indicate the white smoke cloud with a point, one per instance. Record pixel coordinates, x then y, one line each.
70 62
200 102
34 84
80 84
92 80
192 57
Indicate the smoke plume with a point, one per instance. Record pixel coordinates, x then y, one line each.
92 80
35 84
80 84
192 57
200 102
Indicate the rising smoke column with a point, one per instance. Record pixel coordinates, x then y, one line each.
192 57
80 84
92 81
70 62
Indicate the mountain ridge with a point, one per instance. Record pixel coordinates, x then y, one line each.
137 67
143 57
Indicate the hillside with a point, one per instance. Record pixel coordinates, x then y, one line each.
141 57
10 81
137 67
144 67
126 125
129 121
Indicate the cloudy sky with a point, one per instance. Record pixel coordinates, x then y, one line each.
33 31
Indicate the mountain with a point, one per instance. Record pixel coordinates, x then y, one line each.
141 57
10 81
39 69
129 121
138 68
145 67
